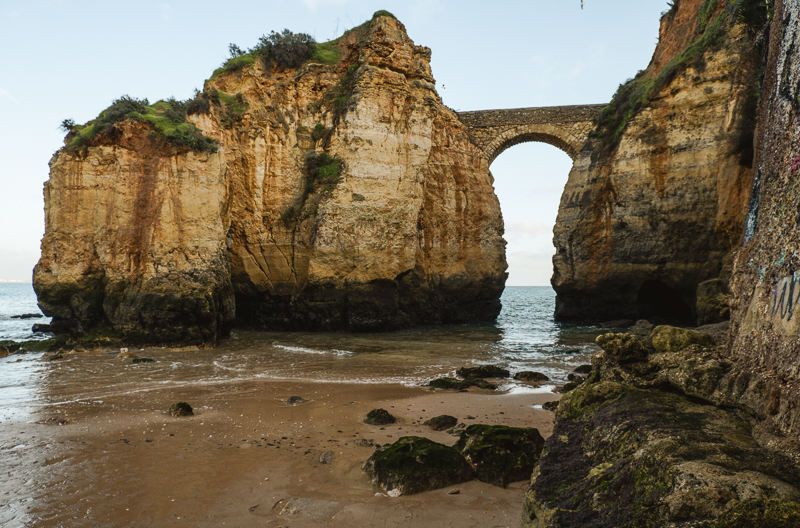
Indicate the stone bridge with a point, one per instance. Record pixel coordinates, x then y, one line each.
565 127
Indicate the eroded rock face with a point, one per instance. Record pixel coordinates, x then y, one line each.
766 285
174 245
641 225
135 240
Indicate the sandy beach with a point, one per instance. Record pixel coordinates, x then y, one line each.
247 458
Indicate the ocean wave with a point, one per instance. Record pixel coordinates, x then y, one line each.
305 350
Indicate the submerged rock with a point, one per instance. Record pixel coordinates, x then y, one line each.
529 375
457 384
441 422
379 417
483 371
414 464
181 409
138 360
501 454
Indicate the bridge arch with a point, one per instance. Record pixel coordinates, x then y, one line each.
564 127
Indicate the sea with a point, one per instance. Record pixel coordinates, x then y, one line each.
523 338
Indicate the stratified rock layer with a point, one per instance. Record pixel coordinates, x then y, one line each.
166 244
641 225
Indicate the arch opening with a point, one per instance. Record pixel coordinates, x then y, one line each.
529 181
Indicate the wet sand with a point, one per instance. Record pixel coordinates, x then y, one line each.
247 458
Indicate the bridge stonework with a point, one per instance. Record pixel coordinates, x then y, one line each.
564 127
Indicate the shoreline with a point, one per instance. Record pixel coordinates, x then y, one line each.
247 458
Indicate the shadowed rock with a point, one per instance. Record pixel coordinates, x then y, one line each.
483 371
414 464
457 384
529 375
501 454
441 422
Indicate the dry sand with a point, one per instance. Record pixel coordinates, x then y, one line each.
247 458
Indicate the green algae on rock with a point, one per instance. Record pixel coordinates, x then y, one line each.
483 371
414 464
501 454
457 384
667 338
379 417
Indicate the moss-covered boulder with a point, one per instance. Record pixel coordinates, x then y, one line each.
667 338
759 513
529 375
379 417
441 422
414 464
457 384
483 371
501 454
622 348
623 456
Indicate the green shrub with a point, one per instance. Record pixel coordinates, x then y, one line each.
231 107
326 53
319 132
707 8
323 168
168 119
286 49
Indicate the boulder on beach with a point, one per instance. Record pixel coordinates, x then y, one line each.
483 371
39 328
457 384
294 400
441 422
379 417
181 409
583 369
529 375
414 464
501 454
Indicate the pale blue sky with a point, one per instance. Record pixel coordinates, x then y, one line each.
71 58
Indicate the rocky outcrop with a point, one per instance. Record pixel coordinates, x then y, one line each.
343 195
654 204
661 439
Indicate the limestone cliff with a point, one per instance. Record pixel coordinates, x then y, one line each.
654 204
343 195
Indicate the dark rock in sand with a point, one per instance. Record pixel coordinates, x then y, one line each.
143 360
441 422
414 464
501 454
483 371
181 409
54 420
550 406
379 417
27 316
55 357
457 384
294 400
327 457
529 375
583 369
40 328
576 378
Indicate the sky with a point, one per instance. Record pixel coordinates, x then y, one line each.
71 58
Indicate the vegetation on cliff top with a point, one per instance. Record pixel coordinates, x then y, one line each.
711 33
288 50
168 119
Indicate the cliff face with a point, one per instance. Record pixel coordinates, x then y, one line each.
135 236
766 282
403 228
643 221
